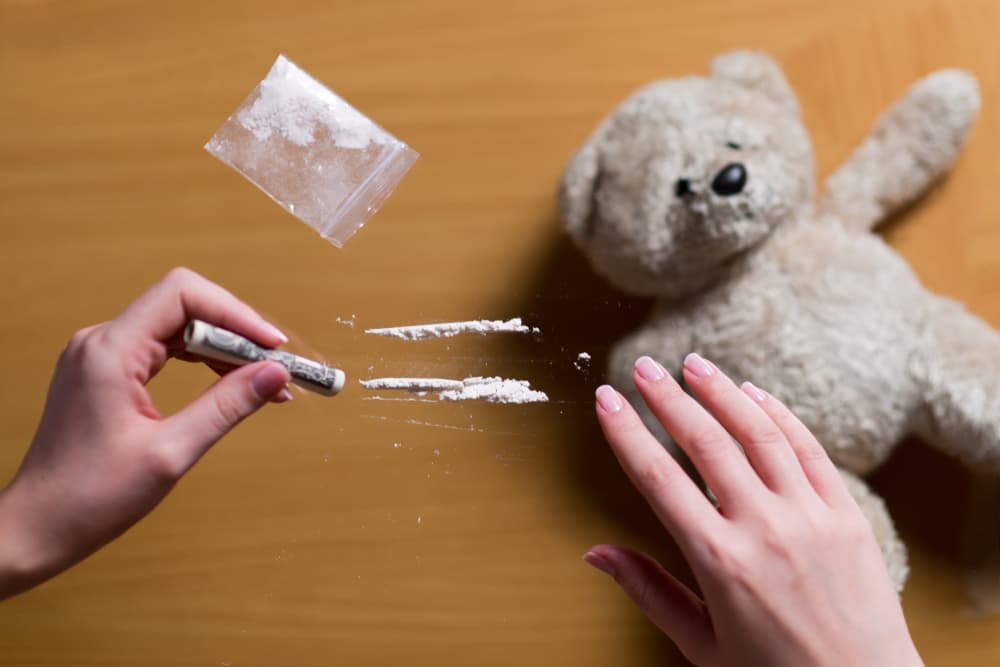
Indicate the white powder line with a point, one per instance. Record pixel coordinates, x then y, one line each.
489 389
495 390
398 399
412 384
449 329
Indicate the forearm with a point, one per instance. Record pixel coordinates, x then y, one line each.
16 571
23 560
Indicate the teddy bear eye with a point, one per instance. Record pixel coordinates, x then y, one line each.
732 144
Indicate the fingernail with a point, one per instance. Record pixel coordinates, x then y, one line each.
701 368
277 332
269 380
649 370
282 396
753 392
600 562
608 399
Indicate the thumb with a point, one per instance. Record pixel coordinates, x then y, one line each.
671 605
233 398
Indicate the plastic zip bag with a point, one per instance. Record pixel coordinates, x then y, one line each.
318 157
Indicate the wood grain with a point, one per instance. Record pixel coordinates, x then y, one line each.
308 537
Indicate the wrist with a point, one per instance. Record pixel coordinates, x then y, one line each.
915 659
20 564
907 656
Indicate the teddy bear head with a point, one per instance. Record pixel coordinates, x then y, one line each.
688 175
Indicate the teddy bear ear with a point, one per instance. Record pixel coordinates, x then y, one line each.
576 191
756 71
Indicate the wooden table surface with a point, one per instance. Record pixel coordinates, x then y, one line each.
352 532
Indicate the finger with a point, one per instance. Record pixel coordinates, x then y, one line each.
763 442
183 295
719 461
221 368
222 406
671 605
682 508
87 331
811 455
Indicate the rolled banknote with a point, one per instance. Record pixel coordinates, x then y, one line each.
206 340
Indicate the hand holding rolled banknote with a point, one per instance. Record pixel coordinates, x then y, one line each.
103 455
206 340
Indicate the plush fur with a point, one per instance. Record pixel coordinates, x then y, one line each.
798 296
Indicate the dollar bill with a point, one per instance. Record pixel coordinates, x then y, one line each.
213 342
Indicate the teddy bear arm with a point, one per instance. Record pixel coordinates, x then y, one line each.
667 341
666 344
912 145
960 373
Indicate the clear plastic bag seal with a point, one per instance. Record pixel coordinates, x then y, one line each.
318 157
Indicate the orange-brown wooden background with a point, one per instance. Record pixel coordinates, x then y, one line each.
352 532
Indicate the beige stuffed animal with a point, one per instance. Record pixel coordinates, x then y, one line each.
699 192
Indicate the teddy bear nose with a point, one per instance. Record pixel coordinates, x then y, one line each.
731 180
682 187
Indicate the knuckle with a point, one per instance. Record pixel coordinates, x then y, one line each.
640 590
655 476
77 340
82 342
765 436
780 538
84 350
783 524
164 463
707 442
717 549
726 559
855 530
811 452
714 549
180 275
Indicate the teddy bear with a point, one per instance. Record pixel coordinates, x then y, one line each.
699 192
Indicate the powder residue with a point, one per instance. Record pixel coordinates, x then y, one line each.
582 361
449 329
489 389
495 390
294 105
412 384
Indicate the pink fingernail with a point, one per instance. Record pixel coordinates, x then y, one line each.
600 562
277 332
285 394
649 370
701 368
609 399
753 392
